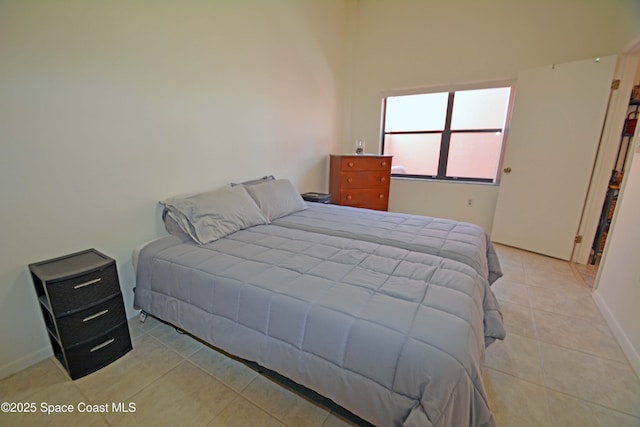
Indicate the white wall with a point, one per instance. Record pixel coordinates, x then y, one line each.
618 292
107 107
405 44
473 203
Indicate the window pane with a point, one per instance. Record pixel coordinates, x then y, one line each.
416 112
474 155
480 109
414 154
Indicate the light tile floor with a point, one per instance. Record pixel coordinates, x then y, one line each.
559 366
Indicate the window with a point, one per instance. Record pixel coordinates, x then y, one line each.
446 135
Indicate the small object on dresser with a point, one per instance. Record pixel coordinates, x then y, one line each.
83 311
317 197
360 146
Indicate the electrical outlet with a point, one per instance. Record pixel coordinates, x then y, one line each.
469 202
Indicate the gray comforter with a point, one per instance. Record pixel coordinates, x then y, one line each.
396 337
460 241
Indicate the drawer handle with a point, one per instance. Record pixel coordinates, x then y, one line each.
381 196
349 197
103 345
383 179
350 164
349 180
90 282
384 163
93 316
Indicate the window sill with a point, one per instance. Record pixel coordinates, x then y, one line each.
444 181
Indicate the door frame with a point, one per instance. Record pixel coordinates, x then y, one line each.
626 69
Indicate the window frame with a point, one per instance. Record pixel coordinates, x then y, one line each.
447 131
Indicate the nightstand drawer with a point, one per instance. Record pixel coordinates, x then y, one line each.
90 356
72 294
87 324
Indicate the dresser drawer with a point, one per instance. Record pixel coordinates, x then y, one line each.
364 163
68 295
364 197
92 355
376 179
86 324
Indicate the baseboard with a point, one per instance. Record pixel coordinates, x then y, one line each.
632 354
25 362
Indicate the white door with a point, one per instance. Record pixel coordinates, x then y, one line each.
551 147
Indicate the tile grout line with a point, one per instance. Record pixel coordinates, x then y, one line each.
550 416
540 341
244 399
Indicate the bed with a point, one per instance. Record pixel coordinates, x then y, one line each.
393 335
460 241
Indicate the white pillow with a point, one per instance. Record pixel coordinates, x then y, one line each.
276 198
210 216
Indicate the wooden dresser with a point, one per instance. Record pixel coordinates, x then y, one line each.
360 180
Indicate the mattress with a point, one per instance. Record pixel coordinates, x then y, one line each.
460 241
395 336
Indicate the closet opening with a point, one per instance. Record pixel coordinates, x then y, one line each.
617 175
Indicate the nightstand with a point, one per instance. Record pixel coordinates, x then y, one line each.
83 310
316 197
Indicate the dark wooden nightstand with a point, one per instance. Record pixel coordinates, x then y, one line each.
316 197
83 310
